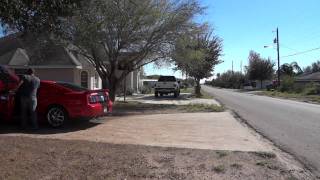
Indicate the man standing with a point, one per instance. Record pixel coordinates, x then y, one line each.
28 98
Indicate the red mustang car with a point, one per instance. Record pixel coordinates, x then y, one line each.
57 101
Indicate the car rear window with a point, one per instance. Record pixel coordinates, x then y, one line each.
73 87
6 76
167 78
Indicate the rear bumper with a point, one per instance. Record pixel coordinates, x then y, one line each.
91 110
165 90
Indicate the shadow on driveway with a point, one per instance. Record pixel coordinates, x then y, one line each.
183 96
13 128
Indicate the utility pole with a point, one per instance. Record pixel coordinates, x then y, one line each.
241 66
278 52
232 66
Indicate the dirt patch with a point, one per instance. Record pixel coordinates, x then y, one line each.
28 158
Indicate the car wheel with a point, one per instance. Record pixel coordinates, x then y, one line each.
175 94
56 116
156 94
161 94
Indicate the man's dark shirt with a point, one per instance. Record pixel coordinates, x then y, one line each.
29 86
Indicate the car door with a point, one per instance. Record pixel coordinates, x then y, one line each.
8 82
48 94
6 106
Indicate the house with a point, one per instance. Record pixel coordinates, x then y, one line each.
264 84
308 78
55 63
149 83
256 84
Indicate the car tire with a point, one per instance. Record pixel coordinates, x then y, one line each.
56 116
156 94
161 94
176 94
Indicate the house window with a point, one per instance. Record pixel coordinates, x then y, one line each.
84 79
96 80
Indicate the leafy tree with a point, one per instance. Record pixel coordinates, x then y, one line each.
307 70
34 16
120 36
259 68
315 67
116 36
291 69
197 53
35 21
229 79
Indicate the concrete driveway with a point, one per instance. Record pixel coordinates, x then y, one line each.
216 131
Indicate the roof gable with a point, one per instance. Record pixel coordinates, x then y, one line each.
19 58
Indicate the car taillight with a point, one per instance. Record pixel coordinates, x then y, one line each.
4 97
98 98
92 99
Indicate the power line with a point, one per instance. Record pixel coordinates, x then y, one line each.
287 47
295 50
303 52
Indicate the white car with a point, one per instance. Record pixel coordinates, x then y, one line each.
167 85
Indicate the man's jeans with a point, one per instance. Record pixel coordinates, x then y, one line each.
28 109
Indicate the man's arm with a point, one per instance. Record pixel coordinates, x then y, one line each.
20 83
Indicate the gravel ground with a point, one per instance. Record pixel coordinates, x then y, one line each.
28 158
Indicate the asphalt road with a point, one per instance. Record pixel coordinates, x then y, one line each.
291 125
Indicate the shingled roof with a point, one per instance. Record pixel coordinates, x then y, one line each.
309 77
53 56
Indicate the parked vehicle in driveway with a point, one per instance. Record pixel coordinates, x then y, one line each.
167 85
59 102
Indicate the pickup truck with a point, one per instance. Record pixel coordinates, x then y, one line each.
167 85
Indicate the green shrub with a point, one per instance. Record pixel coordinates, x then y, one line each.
287 84
146 90
298 88
312 89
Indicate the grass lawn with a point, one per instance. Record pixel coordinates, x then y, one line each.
201 108
204 95
295 96
132 107
187 90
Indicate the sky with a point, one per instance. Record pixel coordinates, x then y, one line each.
246 25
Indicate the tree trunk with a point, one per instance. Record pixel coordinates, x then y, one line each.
261 84
198 88
110 84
